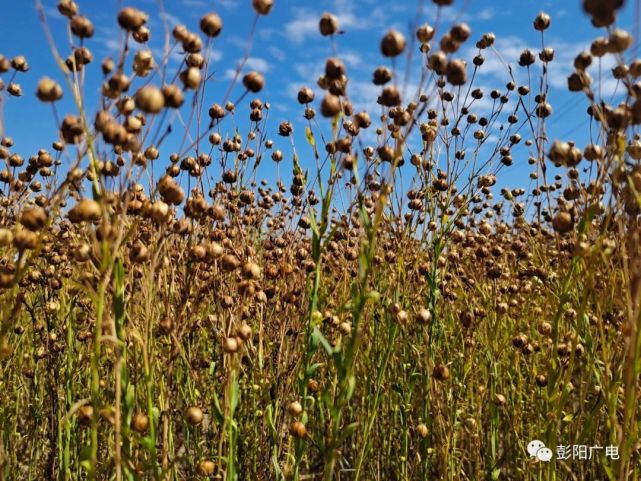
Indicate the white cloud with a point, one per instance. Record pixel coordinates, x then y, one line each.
277 53
258 64
351 59
304 24
253 63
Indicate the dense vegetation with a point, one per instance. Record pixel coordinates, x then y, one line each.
383 311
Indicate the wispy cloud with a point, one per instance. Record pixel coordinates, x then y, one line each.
304 24
253 63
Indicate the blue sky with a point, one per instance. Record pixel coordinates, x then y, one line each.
290 52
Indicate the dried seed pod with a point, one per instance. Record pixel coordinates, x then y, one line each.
254 82
298 430
393 44
285 129
194 415
460 32
150 99
85 414
191 78
441 372
81 27
543 110
33 218
328 24
542 22
425 33
229 262
251 270
170 191
541 380
456 72
390 97
14 89
579 81
562 222
87 210
131 19
330 106
305 95
49 90
262 7
382 75
140 423
424 316
295 408
6 237
244 332
438 62
211 25
25 239
206 467
620 41
173 95
230 345
68 8
422 430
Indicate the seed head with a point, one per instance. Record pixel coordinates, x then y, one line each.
456 72
6 237
211 25
424 316
25 239
206 467
460 32
14 89
298 430
542 22
49 90
422 430
68 8
562 222
140 423
230 345
173 95
87 210
251 270
81 27
5 64
382 75
191 78
150 99
305 95
295 408
425 33
285 129
328 24
19 63
131 18
85 414
393 44
194 415
244 332
254 82
33 218
262 7
441 372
